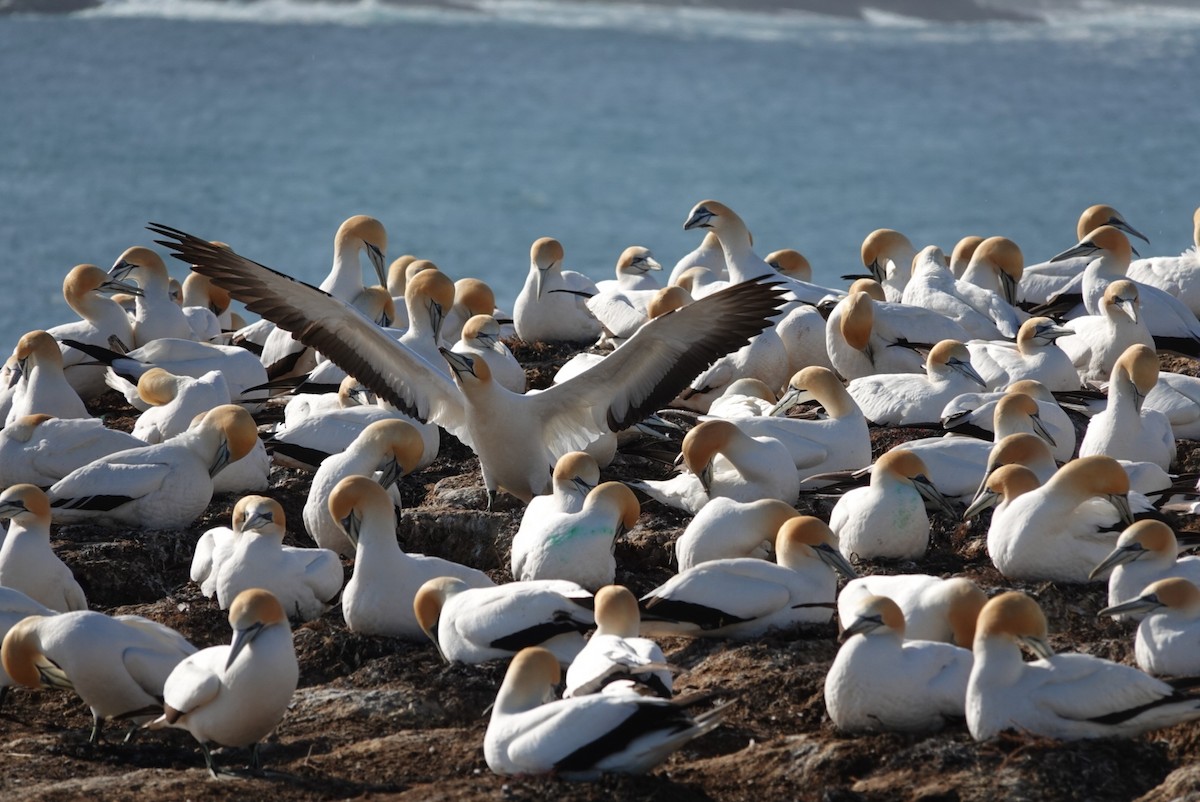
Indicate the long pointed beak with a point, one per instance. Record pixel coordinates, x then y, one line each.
705 477
1128 229
1121 502
1118 556
1084 248
116 285
861 626
1052 333
256 521
1039 426
835 560
120 270
933 495
988 498
967 370
1128 307
539 279
699 219
1008 286
791 398
1038 646
1142 604
876 271
436 317
391 472
648 263
376 257
241 639
352 526
220 460
458 363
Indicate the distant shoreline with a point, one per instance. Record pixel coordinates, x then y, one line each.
931 10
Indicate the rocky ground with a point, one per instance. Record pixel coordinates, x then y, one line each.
381 718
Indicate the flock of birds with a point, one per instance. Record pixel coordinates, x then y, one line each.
979 343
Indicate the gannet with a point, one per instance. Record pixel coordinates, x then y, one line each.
902 399
1021 448
865 336
574 476
235 695
428 296
481 338
215 546
633 271
745 597
1176 275
791 263
282 354
744 398
1126 429
117 666
15 606
837 441
725 528
392 447
1060 530
42 388
40 449
582 737
199 293
1144 553
764 358
934 609
975 414
471 297
518 455
27 563
960 257
473 625
888 254
996 265
1168 637
155 315
614 652
721 460
1169 321
1097 341
708 254
548 308
741 262
305 581
984 314
1177 396
1036 357
174 401
1066 696
881 681
378 599
397 278
1042 282
576 546
887 519
802 332
163 486
101 318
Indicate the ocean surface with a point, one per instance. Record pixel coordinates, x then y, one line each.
472 133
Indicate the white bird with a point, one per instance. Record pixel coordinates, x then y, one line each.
708 255
1097 341
576 546
378 599
837 441
1060 530
201 296
15 606
305 581
101 318
391 447
1036 356
580 738
163 486
745 597
1065 696
282 355
887 519
117 666
40 449
516 437
473 625
1144 553
960 257
888 254
1169 321
985 315
1042 282
903 399
428 296
155 314
975 414
481 338
996 265
791 263
744 398
865 336
175 401
214 547
548 307
934 609
1176 275
235 695
1177 396
42 388
614 652
1021 448
882 681
575 475
633 271
472 297
725 528
1168 637
1126 429
27 563
721 460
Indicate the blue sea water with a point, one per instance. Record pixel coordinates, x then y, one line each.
470 134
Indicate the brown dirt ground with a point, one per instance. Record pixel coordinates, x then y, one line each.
385 719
